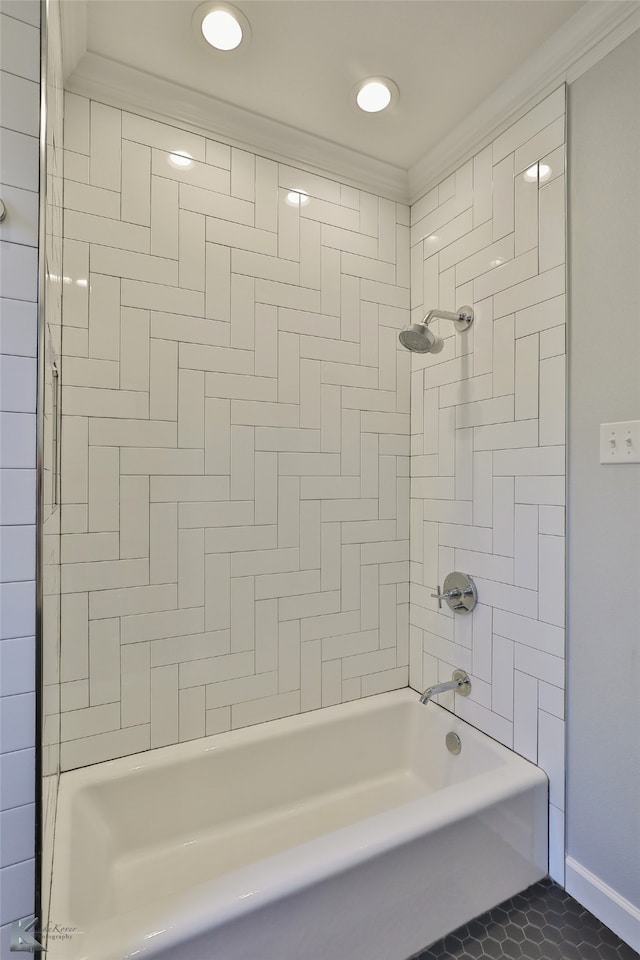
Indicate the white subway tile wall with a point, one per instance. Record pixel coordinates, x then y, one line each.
235 438
487 441
19 164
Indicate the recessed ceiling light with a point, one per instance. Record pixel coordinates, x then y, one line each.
180 158
375 94
222 30
540 171
373 97
222 25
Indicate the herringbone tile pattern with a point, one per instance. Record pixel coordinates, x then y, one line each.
487 440
235 440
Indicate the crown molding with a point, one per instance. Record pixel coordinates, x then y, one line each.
585 38
588 36
614 31
127 88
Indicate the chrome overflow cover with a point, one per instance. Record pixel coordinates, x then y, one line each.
453 742
459 591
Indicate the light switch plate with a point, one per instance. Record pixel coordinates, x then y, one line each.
620 442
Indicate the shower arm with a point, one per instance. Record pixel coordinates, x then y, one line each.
462 318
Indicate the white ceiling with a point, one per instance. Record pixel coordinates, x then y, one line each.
304 57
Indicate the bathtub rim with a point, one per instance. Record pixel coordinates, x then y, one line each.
156 757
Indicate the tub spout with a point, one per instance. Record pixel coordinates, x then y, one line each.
460 683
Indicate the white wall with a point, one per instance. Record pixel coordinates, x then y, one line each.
19 184
603 840
487 444
235 439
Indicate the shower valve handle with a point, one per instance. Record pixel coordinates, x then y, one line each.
455 594
447 595
459 591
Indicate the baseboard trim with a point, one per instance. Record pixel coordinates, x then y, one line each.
619 914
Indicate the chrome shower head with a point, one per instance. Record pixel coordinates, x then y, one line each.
419 339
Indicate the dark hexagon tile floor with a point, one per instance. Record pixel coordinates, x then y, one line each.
543 923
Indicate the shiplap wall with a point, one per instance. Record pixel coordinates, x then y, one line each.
235 439
487 444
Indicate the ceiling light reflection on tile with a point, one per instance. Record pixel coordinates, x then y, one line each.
541 170
297 198
180 158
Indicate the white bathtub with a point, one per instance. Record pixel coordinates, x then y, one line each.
349 832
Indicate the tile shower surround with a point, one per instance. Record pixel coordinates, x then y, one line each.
487 441
236 439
